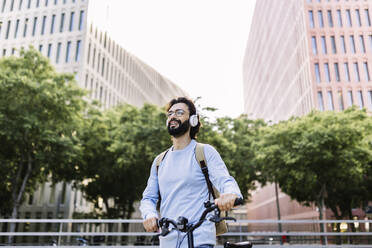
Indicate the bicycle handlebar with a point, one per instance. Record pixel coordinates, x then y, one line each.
184 227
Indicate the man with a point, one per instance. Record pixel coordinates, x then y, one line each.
180 181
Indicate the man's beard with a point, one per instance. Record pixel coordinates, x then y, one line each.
180 130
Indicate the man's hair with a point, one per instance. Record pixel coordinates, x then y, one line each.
192 110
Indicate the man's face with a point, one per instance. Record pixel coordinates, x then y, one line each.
178 120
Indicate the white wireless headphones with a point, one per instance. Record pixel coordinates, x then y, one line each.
193 120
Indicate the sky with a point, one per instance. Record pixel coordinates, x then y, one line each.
197 44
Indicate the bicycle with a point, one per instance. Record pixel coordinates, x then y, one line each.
182 225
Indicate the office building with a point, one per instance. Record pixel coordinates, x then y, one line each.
303 55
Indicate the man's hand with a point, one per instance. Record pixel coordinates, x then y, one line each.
226 201
151 225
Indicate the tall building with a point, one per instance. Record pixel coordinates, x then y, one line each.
66 32
307 54
303 55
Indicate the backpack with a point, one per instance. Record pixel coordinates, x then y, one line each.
221 227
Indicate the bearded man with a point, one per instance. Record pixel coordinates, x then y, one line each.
179 182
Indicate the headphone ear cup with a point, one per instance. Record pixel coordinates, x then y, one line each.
193 120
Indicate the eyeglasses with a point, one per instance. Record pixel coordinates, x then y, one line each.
178 113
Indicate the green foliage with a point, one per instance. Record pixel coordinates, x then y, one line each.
40 111
119 147
313 157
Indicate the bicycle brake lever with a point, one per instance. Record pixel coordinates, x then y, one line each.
219 219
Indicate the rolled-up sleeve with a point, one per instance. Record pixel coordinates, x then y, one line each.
218 172
150 195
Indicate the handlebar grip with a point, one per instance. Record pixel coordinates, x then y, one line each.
238 201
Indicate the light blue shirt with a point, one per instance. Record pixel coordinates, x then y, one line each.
183 191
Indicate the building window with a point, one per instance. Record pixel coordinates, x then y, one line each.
340 100
348 15
314 46
360 99
352 44
68 47
7 30
81 20
356 71
94 57
25 28
40 48
357 15
337 72
37 3
333 43
3 7
326 72
43 25
362 46
366 71
29 4
347 73
370 99
58 51
52 24
317 72
55 2
343 43
62 22
350 98
34 26
324 45
71 21
46 3
339 18
12 5
320 101
311 19
16 29
330 19
368 20
77 53
330 100
320 18
49 50
103 67
88 57
370 42
20 4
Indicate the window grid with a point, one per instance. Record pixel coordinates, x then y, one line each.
368 20
333 43
311 19
357 15
340 100
343 43
68 47
34 26
314 46
71 21
62 22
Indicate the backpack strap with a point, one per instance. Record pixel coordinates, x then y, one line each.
200 157
158 162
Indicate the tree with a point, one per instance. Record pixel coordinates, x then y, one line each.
119 147
40 111
313 156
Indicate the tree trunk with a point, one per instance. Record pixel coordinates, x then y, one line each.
321 212
17 193
278 210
